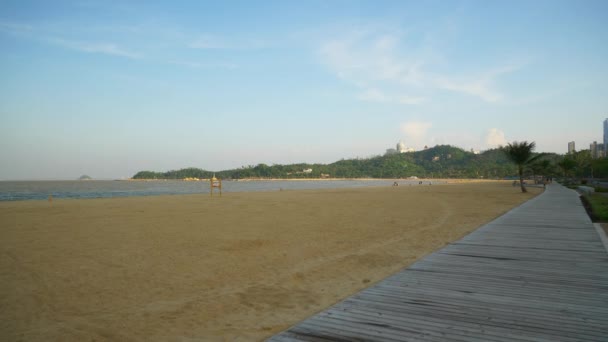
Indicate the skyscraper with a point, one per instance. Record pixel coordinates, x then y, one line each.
593 148
571 148
605 135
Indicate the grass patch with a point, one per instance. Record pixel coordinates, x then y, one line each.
597 207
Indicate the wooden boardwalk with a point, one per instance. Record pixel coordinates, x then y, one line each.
537 273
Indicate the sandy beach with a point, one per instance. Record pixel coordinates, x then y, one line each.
237 268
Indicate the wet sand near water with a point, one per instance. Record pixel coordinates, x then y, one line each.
240 267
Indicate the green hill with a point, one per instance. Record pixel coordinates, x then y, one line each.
443 161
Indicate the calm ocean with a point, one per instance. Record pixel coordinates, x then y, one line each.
38 190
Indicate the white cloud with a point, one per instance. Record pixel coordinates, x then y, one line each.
210 41
480 86
416 131
103 48
411 100
373 95
385 61
495 138
197 65
368 59
377 95
38 34
15 28
475 88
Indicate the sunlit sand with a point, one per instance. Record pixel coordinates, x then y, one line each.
239 267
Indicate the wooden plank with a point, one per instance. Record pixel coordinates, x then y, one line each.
476 309
537 273
464 326
566 320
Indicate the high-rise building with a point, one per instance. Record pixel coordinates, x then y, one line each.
593 148
571 148
605 135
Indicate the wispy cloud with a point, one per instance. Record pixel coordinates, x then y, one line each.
15 28
411 100
36 34
478 88
364 59
382 63
199 65
377 95
94 47
373 95
217 42
208 41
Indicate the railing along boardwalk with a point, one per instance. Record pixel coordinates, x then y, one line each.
537 273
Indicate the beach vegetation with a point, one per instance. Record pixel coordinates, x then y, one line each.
522 155
442 161
597 206
583 166
567 165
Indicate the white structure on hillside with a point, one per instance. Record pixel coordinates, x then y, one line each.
401 148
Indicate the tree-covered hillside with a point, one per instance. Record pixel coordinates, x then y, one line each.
442 161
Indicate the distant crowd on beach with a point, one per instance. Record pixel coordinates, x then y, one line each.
410 184
544 181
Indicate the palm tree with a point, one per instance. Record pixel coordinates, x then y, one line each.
521 153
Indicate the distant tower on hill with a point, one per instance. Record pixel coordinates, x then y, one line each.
400 147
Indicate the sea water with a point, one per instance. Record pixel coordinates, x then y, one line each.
38 190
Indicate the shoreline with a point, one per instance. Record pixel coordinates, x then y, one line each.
448 180
60 190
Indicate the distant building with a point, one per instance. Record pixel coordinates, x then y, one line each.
401 148
593 150
606 135
571 148
597 150
390 151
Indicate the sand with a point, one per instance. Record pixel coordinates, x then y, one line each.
240 267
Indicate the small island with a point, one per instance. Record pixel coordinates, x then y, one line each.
85 177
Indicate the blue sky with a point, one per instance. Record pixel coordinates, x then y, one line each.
109 88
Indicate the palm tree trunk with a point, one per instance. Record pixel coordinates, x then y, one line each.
521 179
